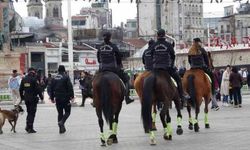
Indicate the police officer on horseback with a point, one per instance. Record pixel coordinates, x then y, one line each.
163 59
147 56
29 91
110 59
198 58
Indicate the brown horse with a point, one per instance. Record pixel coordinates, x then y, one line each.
158 87
108 94
197 84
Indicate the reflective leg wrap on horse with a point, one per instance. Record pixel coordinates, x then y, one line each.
169 129
114 128
195 121
179 121
151 135
190 120
153 117
206 118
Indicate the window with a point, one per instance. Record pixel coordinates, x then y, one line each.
65 57
55 12
37 14
133 24
221 28
79 22
75 57
228 28
36 57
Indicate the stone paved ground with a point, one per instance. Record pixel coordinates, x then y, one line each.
230 130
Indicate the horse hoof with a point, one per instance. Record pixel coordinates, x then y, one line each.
207 126
152 142
103 143
114 138
190 126
196 127
110 141
167 137
179 131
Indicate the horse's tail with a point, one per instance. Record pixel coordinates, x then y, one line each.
191 90
106 100
147 104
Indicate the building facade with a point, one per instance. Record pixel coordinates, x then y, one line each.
53 13
84 22
101 11
235 26
181 19
35 9
131 28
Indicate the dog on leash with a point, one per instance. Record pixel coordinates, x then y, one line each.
11 116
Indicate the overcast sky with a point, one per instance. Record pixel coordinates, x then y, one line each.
125 10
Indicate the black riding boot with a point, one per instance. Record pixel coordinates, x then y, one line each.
127 94
184 97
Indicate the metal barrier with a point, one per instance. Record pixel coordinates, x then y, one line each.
5 94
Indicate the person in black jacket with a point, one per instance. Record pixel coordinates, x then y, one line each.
29 90
198 58
86 87
110 59
61 93
163 59
147 59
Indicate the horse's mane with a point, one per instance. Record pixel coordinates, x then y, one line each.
195 49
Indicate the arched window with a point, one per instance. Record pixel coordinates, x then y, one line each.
55 12
37 14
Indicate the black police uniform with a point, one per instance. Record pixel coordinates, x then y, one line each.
163 59
62 91
201 61
147 59
29 90
86 87
110 59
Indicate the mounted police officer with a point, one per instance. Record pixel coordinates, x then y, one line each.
198 58
29 91
61 93
147 59
163 59
110 59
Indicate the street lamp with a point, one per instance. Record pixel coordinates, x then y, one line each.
70 44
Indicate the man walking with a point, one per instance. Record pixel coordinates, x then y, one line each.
61 93
29 90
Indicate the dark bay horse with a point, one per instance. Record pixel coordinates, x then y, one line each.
138 85
108 94
197 84
159 87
